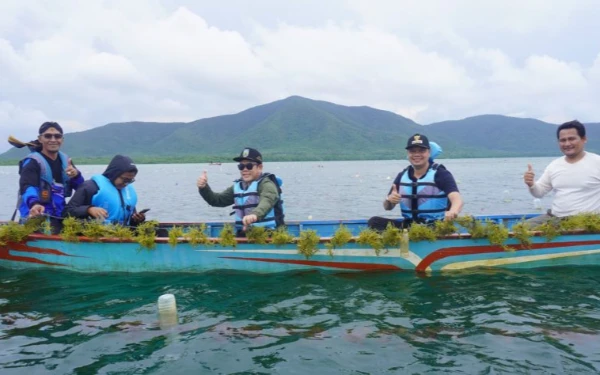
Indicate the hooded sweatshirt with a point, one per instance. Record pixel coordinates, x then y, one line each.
82 199
118 165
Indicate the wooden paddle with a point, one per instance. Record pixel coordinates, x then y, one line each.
18 144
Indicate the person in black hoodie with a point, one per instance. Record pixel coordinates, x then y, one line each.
109 197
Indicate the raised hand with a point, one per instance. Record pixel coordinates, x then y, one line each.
394 196
529 176
202 180
71 170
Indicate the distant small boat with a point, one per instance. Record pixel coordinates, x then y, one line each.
214 163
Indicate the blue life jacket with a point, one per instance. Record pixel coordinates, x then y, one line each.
119 204
49 193
422 200
246 200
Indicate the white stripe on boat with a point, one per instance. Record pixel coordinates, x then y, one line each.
514 260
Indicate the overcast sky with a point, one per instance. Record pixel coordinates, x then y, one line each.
89 63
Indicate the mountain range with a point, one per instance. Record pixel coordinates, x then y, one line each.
298 128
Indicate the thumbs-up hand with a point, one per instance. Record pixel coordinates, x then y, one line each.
202 180
71 170
529 176
394 196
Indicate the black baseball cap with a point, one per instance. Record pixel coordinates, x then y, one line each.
417 140
250 154
49 124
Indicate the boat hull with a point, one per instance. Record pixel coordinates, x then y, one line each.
454 253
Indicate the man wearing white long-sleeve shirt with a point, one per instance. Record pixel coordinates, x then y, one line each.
574 178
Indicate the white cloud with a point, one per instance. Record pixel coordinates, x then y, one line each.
20 122
594 72
473 16
352 64
106 69
72 125
94 62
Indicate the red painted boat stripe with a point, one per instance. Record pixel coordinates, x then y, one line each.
6 255
346 265
37 250
31 260
469 250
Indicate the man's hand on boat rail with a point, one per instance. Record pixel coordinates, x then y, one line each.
249 219
450 215
36 210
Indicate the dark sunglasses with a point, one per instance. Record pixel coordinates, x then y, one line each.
49 136
248 166
127 181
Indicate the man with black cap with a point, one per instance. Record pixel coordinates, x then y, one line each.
256 196
109 197
47 176
426 191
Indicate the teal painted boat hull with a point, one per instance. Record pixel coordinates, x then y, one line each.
456 252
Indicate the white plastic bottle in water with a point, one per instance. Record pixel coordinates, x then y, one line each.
537 204
167 311
404 244
506 197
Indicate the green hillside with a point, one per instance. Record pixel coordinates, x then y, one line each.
297 128
498 134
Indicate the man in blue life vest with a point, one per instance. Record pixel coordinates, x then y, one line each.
47 176
426 191
256 196
109 197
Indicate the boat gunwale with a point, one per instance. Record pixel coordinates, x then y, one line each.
244 240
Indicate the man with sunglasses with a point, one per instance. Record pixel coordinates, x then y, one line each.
47 176
256 196
109 197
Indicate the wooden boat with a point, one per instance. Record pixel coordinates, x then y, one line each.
453 252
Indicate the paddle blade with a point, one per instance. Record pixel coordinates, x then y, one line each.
15 142
33 145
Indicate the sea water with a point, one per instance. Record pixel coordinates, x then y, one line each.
484 322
